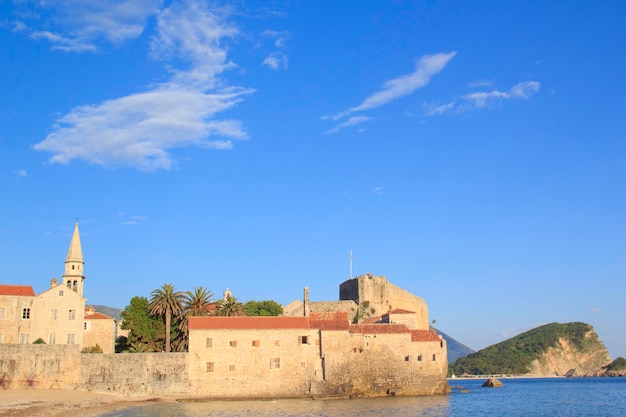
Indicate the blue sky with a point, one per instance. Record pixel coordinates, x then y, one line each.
472 152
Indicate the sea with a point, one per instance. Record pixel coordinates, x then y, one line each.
571 397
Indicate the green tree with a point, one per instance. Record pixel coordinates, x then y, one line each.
144 328
230 307
263 308
194 303
168 302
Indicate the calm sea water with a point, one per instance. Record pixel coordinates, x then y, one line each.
572 397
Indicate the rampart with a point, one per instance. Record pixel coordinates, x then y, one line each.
64 367
377 296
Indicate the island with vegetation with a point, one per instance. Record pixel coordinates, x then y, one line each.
556 349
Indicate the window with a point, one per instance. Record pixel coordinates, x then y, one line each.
210 366
52 339
304 340
407 358
23 338
26 313
86 326
71 315
419 358
209 342
302 364
3 313
71 338
276 342
233 343
274 363
256 343
60 293
54 313
231 368
434 357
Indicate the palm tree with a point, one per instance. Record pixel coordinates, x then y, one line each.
230 307
195 303
165 301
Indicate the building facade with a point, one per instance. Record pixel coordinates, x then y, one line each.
55 316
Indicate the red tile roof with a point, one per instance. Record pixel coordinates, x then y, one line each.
97 316
371 320
336 320
17 290
400 311
247 323
424 336
379 328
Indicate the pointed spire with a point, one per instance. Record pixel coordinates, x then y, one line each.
75 252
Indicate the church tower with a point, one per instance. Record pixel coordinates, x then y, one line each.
73 277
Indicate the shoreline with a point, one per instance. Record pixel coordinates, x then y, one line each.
66 403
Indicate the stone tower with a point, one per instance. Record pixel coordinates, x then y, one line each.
74 277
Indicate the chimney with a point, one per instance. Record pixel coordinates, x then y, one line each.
306 300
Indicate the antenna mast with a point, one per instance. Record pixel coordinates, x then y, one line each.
351 263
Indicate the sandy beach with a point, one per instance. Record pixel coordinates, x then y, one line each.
52 403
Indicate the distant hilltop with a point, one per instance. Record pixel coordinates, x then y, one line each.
556 349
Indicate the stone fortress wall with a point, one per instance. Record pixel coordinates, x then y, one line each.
377 296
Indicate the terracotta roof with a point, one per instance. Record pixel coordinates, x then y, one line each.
97 316
379 328
17 290
336 320
371 320
424 336
400 311
248 323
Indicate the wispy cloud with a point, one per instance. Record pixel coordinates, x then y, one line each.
78 26
141 129
378 190
276 61
352 121
483 99
481 83
426 67
126 220
21 173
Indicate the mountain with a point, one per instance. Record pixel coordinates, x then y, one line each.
110 311
569 349
456 349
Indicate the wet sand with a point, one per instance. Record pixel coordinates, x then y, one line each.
53 403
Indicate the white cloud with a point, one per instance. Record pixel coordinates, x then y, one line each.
141 129
353 121
78 25
276 61
481 83
378 190
130 220
483 99
22 173
426 67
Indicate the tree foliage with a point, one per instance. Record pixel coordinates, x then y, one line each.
144 328
514 356
230 307
263 308
166 302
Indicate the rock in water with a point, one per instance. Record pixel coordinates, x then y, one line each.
494 383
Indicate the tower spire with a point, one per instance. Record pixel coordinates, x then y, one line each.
73 277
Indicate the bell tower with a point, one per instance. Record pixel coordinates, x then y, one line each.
74 278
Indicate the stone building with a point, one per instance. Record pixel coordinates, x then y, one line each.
320 354
57 315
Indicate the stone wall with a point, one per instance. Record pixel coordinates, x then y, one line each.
40 366
64 367
136 374
377 296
